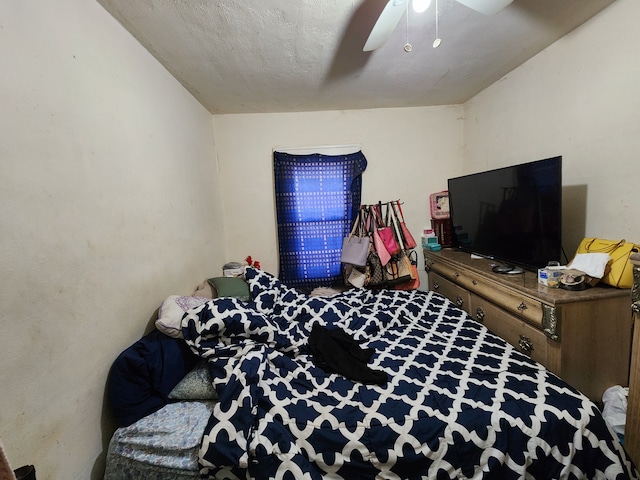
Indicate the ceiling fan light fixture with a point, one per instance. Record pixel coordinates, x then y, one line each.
420 6
395 9
487 7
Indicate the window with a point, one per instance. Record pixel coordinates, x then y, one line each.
317 197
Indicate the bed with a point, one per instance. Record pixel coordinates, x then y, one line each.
363 384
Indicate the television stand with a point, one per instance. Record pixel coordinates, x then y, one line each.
582 336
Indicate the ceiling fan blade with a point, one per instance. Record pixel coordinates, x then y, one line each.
488 7
385 24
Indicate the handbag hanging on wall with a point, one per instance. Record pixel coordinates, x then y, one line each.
414 283
378 244
619 270
409 241
386 233
398 270
355 276
355 248
371 275
382 268
375 272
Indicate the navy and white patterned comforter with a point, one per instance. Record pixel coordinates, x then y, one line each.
460 402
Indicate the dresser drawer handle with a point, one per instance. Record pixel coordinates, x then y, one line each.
427 265
474 282
459 301
522 306
525 344
436 285
480 314
456 274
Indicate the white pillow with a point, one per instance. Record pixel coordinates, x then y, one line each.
171 312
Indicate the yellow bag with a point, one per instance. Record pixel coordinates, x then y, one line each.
619 271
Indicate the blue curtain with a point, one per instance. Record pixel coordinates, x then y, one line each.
317 199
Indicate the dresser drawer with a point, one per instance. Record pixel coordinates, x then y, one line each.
459 296
526 338
511 300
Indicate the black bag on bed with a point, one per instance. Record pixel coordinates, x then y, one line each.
335 351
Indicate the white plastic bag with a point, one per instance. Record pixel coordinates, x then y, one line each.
615 408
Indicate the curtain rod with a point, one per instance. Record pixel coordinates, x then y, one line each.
322 149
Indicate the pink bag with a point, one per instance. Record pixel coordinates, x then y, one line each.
387 236
378 244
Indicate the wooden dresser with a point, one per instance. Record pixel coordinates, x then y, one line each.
632 427
584 337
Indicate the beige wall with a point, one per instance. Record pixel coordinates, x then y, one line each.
109 197
108 204
580 98
410 153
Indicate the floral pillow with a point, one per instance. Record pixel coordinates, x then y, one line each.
196 385
171 312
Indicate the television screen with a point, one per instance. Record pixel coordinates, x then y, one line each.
512 214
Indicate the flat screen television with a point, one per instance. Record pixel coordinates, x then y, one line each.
511 214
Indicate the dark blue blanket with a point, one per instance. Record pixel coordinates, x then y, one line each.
143 375
459 401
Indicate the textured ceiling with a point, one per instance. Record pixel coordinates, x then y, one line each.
306 55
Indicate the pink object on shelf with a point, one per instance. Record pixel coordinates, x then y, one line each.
439 203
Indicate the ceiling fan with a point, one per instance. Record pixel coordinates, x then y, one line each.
394 9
